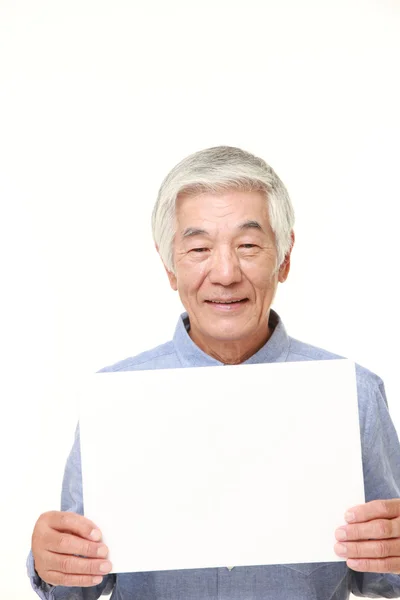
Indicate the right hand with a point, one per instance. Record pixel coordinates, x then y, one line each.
57 536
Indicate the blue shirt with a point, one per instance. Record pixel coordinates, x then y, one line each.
314 581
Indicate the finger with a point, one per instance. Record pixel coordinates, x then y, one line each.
387 565
376 509
370 549
74 523
65 543
378 529
56 578
74 565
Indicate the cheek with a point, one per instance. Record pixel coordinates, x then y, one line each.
261 278
190 278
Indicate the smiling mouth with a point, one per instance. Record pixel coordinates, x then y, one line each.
227 301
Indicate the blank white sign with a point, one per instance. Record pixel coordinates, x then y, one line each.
221 466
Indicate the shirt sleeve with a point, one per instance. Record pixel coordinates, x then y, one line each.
381 466
71 501
44 590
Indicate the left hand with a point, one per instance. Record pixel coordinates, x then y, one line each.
378 523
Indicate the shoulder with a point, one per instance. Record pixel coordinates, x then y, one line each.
160 357
367 381
301 351
372 401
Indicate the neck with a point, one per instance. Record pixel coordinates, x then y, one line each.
232 352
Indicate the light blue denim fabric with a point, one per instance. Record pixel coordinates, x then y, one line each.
314 581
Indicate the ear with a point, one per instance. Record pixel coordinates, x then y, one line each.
171 277
285 266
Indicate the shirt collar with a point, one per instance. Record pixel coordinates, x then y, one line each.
275 349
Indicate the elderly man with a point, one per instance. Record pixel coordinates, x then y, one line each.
223 227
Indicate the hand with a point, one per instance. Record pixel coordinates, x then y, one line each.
56 538
378 523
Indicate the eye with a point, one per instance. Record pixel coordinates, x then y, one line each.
248 246
199 250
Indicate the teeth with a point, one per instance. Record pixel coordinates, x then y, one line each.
224 302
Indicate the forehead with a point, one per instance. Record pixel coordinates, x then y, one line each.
228 208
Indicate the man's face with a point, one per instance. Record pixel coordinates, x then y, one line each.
225 265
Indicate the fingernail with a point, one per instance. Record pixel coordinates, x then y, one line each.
102 551
97 580
95 535
341 534
340 549
105 567
350 516
353 563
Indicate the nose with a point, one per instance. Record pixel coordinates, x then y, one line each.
225 267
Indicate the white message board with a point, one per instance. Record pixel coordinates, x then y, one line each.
221 466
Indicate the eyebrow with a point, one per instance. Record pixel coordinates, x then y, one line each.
250 225
193 231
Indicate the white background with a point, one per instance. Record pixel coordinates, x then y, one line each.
98 101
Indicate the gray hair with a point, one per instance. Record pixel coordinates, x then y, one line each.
218 170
